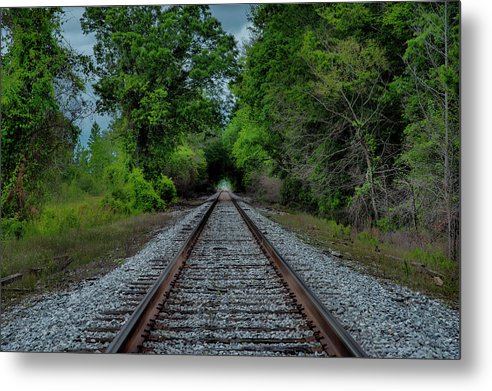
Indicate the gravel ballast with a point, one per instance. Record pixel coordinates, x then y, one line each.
228 300
56 322
387 320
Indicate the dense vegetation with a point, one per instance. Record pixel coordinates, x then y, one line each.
160 73
355 108
346 111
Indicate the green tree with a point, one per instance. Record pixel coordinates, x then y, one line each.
162 68
430 90
350 82
248 142
187 168
41 83
102 151
356 106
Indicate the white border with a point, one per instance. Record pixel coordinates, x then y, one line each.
87 372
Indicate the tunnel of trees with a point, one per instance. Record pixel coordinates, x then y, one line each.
347 111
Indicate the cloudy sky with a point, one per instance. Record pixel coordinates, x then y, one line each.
232 16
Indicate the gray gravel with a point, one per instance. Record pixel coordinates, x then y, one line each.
386 319
56 322
229 300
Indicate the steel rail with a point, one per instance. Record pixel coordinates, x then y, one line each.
336 340
132 335
333 337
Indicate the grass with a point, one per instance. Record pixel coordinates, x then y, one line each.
390 257
51 260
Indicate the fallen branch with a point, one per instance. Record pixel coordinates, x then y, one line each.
10 279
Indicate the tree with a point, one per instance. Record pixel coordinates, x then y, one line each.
162 69
357 106
350 84
102 151
430 89
41 82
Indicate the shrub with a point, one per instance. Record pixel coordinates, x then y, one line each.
133 195
144 197
187 168
87 183
385 225
329 204
297 195
116 205
165 188
54 220
338 231
116 175
69 218
12 228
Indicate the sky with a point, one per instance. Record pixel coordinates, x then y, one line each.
232 16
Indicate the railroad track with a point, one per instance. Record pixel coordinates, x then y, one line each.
227 292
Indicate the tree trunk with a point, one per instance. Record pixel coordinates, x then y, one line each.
371 181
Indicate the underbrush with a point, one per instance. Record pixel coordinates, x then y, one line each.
46 255
396 256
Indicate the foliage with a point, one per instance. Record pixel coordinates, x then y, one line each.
164 186
162 69
12 228
338 231
297 194
430 92
187 168
385 224
137 195
355 108
348 111
142 194
41 85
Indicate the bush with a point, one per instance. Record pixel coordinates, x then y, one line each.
338 231
54 220
297 195
12 228
87 183
144 197
116 204
329 204
165 188
188 169
135 195
116 175
385 225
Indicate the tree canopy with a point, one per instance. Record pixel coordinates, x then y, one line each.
348 110
162 69
41 83
356 108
